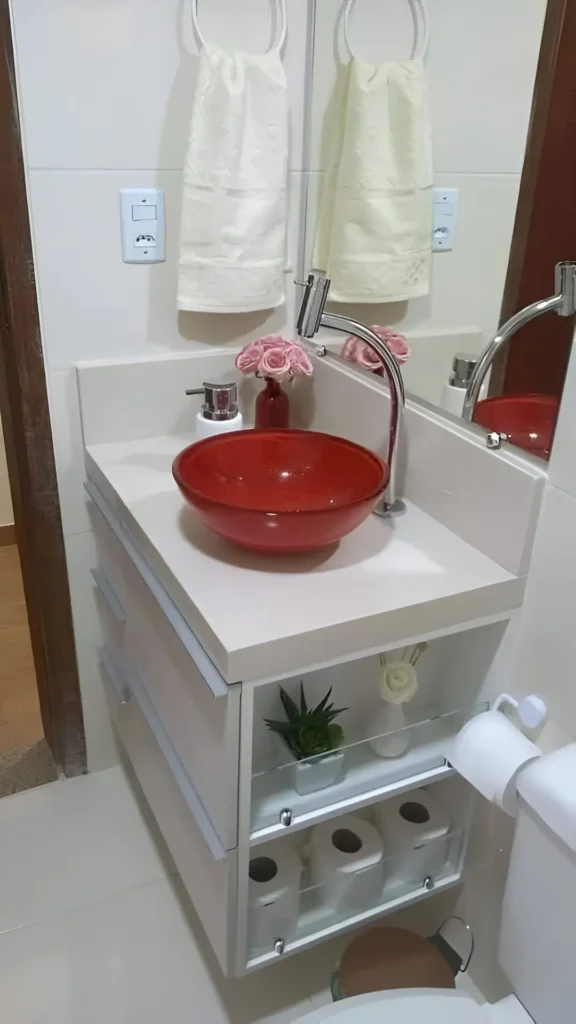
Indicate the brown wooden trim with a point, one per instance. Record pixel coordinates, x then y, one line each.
530 274
29 449
7 535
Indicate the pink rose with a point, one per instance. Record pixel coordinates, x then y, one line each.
357 351
272 341
300 361
249 358
397 343
276 363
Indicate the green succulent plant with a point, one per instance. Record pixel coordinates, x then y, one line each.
308 732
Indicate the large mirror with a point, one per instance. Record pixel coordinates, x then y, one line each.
469 153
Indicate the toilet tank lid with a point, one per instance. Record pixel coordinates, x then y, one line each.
548 786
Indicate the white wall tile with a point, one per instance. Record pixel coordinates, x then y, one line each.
111 85
69 450
467 283
95 306
547 639
100 742
562 465
481 66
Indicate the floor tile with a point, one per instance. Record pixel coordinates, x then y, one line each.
69 844
133 959
20 721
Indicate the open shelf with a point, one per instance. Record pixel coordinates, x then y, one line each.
320 917
365 776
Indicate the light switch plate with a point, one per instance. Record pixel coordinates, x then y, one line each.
143 225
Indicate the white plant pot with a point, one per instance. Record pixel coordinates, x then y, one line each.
318 773
315 774
389 719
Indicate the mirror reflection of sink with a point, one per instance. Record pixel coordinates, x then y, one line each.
527 420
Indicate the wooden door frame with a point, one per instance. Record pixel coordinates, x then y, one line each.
29 449
515 295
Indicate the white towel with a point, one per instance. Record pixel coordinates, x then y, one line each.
233 236
374 237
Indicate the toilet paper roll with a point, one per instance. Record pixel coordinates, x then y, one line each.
273 896
346 856
489 752
413 827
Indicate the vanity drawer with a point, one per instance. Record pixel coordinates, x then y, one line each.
111 612
112 560
208 872
204 730
199 711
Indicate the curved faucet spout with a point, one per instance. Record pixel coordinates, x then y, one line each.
563 303
312 317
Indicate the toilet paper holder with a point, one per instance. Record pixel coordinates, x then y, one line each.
532 710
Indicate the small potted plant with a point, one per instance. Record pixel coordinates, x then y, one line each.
314 740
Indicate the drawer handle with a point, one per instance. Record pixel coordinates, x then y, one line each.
138 691
108 594
114 676
212 677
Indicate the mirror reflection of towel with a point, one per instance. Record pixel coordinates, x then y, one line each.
374 235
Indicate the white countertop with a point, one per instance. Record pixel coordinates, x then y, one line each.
261 616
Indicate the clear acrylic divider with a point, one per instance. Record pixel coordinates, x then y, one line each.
414 871
355 769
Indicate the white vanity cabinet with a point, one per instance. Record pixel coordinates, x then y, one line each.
223 789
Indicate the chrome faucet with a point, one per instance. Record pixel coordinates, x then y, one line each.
563 303
311 318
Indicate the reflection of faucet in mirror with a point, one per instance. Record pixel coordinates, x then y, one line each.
563 303
311 318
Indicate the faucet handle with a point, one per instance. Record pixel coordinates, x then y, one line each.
313 302
565 278
494 440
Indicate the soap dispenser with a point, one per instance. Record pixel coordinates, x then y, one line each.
219 412
454 392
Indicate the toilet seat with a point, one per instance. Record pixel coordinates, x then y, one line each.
403 1006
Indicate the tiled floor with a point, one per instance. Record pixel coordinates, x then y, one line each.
25 759
95 927
20 722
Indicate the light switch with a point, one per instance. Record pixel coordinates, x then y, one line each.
146 211
444 226
143 225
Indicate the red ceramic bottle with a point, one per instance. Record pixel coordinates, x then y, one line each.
272 406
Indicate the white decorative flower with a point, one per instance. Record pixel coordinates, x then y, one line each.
399 682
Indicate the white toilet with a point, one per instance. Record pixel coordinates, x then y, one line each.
537 949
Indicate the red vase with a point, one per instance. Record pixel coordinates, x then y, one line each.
272 406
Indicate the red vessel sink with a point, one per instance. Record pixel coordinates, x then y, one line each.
528 420
280 490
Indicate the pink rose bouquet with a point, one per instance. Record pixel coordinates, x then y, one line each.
357 351
274 358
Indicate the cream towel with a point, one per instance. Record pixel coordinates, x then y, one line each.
374 237
233 236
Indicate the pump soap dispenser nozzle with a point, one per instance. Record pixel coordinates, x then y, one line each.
219 412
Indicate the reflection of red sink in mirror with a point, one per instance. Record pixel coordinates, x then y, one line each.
280 490
528 420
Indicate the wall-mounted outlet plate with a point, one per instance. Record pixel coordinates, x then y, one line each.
444 225
143 225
